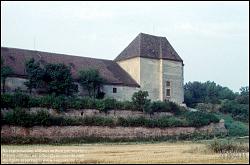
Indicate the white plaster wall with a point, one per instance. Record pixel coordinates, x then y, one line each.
150 77
173 72
13 83
123 92
132 67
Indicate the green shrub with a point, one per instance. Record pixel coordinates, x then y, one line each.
166 106
88 103
6 100
52 101
127 105
20 117
42 118
75 103
199 118
110 103
238 111
140 101
100 105
34 102
20 100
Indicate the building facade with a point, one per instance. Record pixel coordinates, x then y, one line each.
148 63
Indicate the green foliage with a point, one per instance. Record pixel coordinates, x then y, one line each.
6 100
52 101
17 99
140 101
199 118
58 80
35 75
19 117
166 106
238 111
162 122
54 78
208 92
124 105
91 81
208 107
6 71
235 128
243 98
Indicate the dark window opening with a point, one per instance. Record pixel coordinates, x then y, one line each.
168 83
168 93
114 90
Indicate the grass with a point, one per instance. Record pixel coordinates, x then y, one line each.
164 152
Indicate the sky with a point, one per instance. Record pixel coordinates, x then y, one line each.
212 38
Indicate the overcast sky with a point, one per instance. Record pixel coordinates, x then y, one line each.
211 37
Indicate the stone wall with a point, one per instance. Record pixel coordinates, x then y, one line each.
55 132
94 112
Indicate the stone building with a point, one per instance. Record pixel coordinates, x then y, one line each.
148 63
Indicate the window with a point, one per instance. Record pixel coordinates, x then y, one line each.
168 83
114 90
168 92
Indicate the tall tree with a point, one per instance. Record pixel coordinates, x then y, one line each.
243 98
6 71
58 80
35 75
91 81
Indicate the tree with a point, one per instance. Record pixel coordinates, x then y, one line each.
243 98
208 92
6 71
58 80
140 101
91 81
35 75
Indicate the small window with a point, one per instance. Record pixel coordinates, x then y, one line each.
168 83
114 90
168 92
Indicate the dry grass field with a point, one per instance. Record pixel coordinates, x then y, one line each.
180 152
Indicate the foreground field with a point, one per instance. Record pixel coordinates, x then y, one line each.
181 152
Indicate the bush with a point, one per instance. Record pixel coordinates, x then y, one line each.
140 101
198 118
19 117
75 103
166 106
6 101
227 146
238 111
20 100
43 118
52 101
88 103
100 105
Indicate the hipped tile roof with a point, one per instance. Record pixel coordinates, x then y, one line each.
149 46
